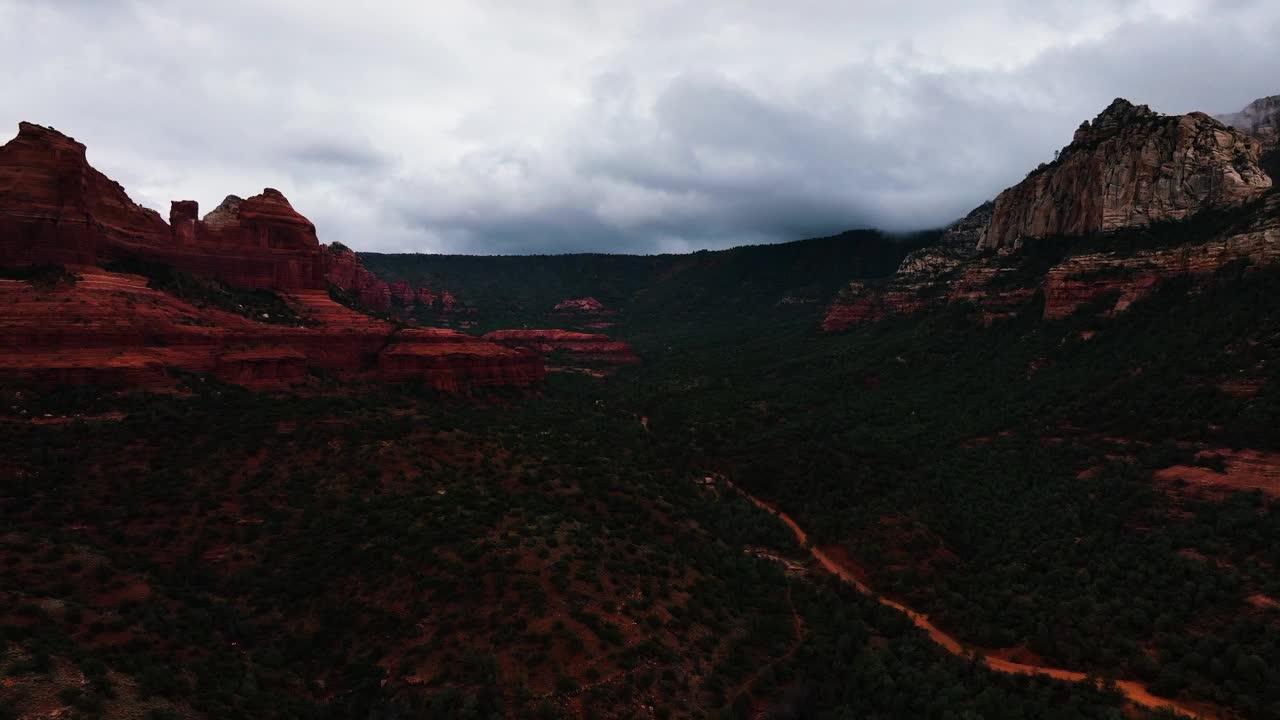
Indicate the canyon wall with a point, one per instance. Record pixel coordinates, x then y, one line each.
56 208
95 326
343 270
598 354
1130 167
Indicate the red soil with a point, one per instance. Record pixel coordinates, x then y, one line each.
1134 691
1244 470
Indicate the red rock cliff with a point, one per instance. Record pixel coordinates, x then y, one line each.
573 349
113 329
343 270
1130 167
55 207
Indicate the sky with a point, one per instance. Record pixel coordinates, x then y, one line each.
634 126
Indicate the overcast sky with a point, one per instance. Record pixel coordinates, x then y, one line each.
612 125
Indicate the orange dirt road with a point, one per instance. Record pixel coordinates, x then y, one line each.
1136 692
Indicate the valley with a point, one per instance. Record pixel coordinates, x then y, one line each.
1023 466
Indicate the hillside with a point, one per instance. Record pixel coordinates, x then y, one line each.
654 295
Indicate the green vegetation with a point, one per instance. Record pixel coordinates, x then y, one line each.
409 554
1015 506
39 276
262 306
398 553
659 297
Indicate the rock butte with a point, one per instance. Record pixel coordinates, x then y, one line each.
55 208
1128 168
111 329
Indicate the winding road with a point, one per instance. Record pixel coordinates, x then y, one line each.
1135 692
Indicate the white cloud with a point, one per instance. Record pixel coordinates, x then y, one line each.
541 126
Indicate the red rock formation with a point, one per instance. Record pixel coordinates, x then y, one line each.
453 361
448 302
1128 168
112 329
426 297
1084 279
586 312
586 306
343 270
576 349
861 303
403 293
55 208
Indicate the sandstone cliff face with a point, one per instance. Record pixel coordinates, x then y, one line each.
1110 281
586 312
1127 168
1122 280
1130 167
585 306
917 284
453 361
574 350
862 303
55 207
112 329
343 270
959 243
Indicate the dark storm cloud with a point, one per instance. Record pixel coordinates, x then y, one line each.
566 126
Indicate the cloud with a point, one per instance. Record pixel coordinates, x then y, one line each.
591 125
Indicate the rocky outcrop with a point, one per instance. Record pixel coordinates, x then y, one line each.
573 350
1130 167
112 329
1126 169
997 287
343 270
1117 281
918 283
861 303
960 242
453 361
582 306
587 312
1260 119
56 208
